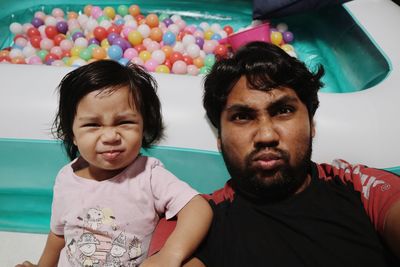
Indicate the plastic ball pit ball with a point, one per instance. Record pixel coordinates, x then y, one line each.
161 43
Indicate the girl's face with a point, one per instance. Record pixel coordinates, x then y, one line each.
108 131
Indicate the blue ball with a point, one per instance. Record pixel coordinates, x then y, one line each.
216 36
115 52
169 38
123 61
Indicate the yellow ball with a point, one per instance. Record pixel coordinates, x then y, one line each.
135 37
75 51
276 38
145 55
105 44
162 69
109 12
287 47
208 34
71 60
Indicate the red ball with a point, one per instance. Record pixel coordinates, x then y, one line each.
221 50
175 56
32 31
5 59
51 56
65 54
100 33
51 31
58 38
188 60
139 48
35 41
114 28
180 36
228 29
168 63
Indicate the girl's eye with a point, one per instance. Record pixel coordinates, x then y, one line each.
90 125
126 122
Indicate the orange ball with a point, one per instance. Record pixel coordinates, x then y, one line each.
87 10
18 60
152 20
4 53
134 10
99 53
198 62
156 34
167 50
72 15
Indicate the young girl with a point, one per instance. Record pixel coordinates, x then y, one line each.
108 200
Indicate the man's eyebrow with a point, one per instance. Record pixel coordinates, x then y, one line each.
239 108
284 100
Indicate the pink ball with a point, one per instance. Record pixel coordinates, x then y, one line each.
190 29
151 65
35 60
137 61
130 53
40 14
179 67
21 41
180 23
159 56
153 46
192 70
58 63
209 46
199 34
66 45
56 50
57 12
96 12
46 44
126 30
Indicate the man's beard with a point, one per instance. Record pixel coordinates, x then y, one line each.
273 185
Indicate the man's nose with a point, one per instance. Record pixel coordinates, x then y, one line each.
266 133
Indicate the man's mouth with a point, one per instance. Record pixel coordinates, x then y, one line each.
267 161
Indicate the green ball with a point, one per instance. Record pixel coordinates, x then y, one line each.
42 54
102 18
163 16
123 10
85 54
209 60
204 70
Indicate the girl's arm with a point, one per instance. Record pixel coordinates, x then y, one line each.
50 254
194 219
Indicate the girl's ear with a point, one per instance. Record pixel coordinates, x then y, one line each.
74 140
219 143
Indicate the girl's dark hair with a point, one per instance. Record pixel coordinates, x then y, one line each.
265 67
107 75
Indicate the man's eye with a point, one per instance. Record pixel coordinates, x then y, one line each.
285 110
240 117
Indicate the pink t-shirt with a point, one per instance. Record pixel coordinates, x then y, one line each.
110 223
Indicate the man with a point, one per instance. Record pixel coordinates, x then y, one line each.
280 208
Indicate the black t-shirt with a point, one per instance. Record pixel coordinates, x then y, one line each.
325 225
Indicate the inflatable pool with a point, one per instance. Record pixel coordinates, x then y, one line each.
357 120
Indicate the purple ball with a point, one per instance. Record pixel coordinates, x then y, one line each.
37 22
168 21
112 36
77 35
288 37
199 41
62 27
93 41
121 42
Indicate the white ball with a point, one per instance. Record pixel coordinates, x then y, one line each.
174 28
91 24
83 19
105 24
193 50
144 30
16 28
81 41
28 51
159 56
282 27
188 39
215 27
15 52
204 25
178 47
175 17
50 21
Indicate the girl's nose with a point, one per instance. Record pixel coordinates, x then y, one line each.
110 135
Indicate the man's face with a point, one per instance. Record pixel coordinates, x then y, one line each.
265 139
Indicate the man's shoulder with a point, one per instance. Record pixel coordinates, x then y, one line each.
223 194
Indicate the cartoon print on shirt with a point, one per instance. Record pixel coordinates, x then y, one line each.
117 250
135 251
87 245
94 218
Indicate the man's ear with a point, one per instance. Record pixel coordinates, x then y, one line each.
312 128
